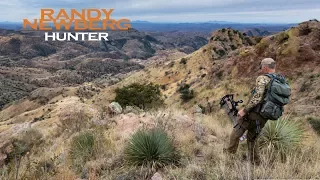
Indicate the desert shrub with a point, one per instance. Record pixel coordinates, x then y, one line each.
74 119
203 109
82 149
24 143
219 75
144 96
171 64
44 168
304 30
281 136
262 46
221 52
21 145
315 124
185 93
151 148
38 119
217 38
233 47
258 39
282 37
249 40
183 61
318 97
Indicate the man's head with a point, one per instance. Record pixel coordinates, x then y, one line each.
268 65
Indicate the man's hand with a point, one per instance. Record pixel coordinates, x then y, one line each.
241 113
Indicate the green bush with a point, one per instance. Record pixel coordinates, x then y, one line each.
144 96
151 148
258 39
183 61
281 136
82 149
221 52
185 93
219 75
203 109
282 37
262 46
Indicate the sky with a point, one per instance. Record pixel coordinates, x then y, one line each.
242 11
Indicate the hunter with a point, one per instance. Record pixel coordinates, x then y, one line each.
260 109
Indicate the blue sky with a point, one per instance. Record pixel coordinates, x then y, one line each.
245 11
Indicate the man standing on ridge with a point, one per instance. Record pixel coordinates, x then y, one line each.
256 113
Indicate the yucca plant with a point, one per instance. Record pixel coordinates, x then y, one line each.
281 136
151 148
82 149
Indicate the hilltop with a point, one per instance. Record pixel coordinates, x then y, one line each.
228 63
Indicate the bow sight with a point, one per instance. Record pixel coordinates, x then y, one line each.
230 105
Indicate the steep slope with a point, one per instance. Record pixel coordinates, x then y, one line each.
212 73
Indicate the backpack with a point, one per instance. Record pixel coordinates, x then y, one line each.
277 96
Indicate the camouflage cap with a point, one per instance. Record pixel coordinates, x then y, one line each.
267 61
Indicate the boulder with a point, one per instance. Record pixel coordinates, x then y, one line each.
197 109
156 176
132 109
115 108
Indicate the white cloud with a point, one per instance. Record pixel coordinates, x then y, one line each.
279 16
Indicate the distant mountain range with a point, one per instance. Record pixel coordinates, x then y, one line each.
206 27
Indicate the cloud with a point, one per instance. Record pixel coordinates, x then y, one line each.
177 10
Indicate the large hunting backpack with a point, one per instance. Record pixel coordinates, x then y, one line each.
277 96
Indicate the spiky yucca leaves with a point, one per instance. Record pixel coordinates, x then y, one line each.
151 148
281 136
82 149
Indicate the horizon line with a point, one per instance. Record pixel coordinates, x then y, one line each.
188 22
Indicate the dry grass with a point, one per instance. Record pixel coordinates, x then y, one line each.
203 160
200 140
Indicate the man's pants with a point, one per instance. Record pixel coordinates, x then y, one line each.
249 123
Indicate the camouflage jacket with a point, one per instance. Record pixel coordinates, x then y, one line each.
261 86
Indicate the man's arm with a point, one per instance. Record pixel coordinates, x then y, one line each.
257 97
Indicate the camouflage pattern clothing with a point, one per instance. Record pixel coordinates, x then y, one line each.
258 92
249 122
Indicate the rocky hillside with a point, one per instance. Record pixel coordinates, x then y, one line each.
257 32
228 63
27 62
